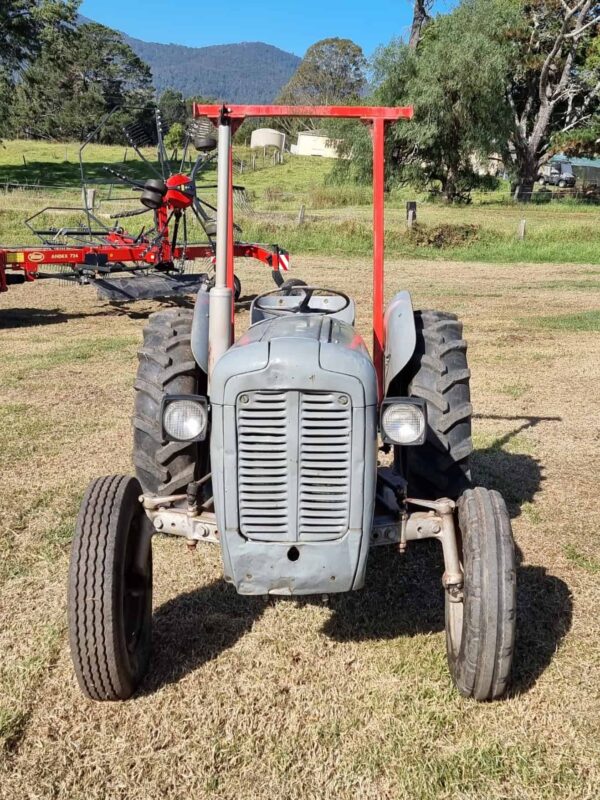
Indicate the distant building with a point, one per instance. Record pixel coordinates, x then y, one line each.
315 143
267 137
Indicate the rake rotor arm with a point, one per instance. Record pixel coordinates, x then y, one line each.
124 178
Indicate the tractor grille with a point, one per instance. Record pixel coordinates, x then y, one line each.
324 474
294 458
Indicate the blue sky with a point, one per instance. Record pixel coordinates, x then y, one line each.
293 26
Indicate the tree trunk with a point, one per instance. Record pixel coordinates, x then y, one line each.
449 186
527 174
420 19
527 155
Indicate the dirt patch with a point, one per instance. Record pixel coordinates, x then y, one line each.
444 235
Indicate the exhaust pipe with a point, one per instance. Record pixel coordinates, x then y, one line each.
221 298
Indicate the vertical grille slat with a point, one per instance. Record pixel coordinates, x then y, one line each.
262 465
294 463
324 471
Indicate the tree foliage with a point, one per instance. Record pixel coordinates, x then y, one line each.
77 78
173 108
175 137
333 71
455 81
26 27
553 85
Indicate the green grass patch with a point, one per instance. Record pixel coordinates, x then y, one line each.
515 390
19 680
588 563
584 321
566 285
77 352
532 513
12 726
509 443
22 429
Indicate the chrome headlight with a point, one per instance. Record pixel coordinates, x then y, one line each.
185 418
403 421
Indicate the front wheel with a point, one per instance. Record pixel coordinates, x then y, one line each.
439 374
480 625
110 590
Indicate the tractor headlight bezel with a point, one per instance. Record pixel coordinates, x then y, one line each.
181 411
403 421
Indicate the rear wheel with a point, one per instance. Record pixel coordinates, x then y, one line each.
237 287
292 283
166 366
110 590
439 375
480 626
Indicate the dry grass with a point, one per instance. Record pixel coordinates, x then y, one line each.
284 699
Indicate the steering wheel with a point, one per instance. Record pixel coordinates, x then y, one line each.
302 306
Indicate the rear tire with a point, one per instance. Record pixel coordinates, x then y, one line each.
292 283
439 374
110 590
166 366
237 287
480 630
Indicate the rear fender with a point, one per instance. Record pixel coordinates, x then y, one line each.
400 336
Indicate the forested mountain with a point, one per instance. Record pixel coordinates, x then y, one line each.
249 72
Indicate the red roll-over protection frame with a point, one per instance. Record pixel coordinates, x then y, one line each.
374 116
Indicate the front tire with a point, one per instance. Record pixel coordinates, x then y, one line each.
110 590
439 375
480 628
166 366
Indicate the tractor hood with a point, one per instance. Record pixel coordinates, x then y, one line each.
299 351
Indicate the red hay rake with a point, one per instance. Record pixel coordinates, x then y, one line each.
154 263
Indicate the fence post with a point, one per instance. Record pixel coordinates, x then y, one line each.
411 213
522 229
301 214
89 198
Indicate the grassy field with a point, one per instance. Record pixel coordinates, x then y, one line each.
337 218
319 700
338 700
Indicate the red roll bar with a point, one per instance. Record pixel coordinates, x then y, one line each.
376 117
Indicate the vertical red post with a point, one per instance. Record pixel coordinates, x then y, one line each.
230 237
378 136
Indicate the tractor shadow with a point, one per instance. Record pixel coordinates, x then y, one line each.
403 594
517 476
30 317
11 318
197 627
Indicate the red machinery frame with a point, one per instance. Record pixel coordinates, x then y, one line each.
376 117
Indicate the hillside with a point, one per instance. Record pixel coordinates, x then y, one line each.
248 72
